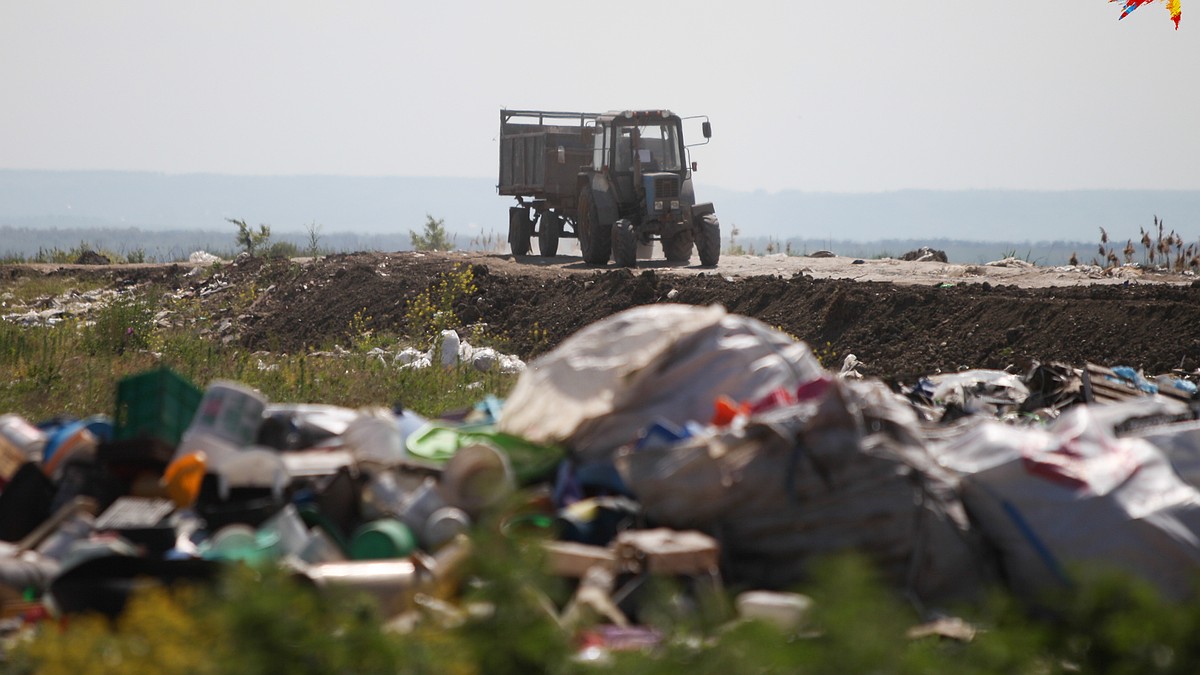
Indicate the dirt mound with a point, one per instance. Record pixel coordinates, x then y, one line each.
899 331
931 318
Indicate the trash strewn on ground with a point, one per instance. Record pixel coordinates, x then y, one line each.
670 440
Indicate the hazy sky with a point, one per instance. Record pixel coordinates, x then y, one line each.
819 96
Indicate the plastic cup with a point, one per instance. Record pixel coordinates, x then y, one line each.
442 526
288 530
478 476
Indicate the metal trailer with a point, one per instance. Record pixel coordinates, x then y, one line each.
616 181
541 156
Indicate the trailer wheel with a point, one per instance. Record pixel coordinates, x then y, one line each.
678 247
624 244
548 232
708 240
595 240
520 229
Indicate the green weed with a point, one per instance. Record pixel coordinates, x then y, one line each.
432 310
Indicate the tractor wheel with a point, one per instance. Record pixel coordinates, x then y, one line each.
595 240
624 244
520 229
678 247
548 233
708 240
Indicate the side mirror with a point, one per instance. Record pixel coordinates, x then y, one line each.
706 129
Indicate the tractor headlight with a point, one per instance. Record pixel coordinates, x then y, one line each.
658 205
675 205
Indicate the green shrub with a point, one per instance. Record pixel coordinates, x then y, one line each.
248 239
434 237
282 249
432 310
126 324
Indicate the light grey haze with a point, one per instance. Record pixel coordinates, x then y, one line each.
869 96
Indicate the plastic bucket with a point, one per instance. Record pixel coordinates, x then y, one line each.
231 412
240 542
382 539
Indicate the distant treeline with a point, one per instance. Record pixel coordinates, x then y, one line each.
23 243
176 245
1046 253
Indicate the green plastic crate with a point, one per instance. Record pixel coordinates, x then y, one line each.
157 404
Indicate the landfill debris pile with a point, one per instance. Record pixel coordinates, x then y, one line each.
667 440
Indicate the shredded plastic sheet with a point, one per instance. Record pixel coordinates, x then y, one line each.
1172 5
1070 494
596 390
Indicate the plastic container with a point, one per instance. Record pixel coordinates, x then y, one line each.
214 448
478 476
22 435
75 529
321 548
11 459
437 443
382 539
789 611
450 348
375 437
231 412
183 476
239 542
254 468
72 440
155 404
421 504
287 530
391 583
442 526
382 496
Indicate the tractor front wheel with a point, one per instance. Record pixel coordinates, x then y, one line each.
678 247
595 240
708 240
624 244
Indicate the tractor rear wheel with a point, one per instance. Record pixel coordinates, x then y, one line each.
708 240
624 244
678 247
548 232
520 228
595 240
